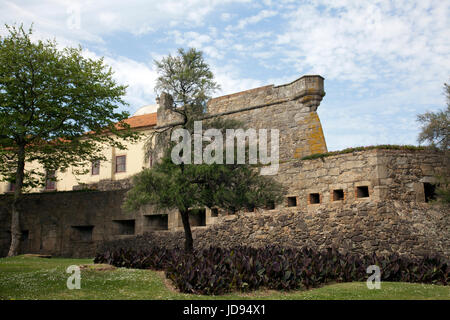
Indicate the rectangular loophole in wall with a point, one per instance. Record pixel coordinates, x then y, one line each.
314 198
362 192
430 191
124 227
197 217
292 201
338 194
214 212
250 209
270 205
157 221
82 233
25 235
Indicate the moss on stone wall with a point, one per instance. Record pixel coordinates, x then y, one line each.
355 149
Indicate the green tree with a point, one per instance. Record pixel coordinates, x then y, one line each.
187 186
49 99
435 130
435 126
189 80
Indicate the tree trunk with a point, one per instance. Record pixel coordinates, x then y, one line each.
15 214
188 242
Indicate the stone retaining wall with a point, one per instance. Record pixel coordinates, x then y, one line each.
59 223
361 228
388 174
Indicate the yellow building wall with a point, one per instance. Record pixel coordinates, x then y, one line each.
135 162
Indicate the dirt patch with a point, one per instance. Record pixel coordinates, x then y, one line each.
167 282
33 255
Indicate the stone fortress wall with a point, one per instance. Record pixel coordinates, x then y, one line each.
290 108
393 216
371 175
365 201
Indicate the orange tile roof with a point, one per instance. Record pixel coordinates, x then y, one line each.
145 120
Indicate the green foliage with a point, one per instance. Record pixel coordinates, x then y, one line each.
442 190
435 126
186 77
435 130
215 270
49 99
230 187
443 194
189 81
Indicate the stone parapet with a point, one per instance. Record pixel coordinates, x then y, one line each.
308 89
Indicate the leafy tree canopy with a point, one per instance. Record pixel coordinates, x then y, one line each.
435 126
49 99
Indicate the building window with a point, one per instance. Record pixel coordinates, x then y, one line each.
95 168
314 198
292 201
338 195
362 192
121 163
50 183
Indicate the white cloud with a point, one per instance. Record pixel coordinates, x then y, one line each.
102 17
358 41
231 80
383 61
263 14
139 77
225 16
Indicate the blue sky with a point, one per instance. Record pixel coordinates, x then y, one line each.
383 61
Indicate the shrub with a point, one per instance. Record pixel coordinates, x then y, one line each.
216 271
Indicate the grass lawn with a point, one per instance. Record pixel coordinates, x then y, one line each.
38 278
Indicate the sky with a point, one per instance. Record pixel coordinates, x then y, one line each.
383 62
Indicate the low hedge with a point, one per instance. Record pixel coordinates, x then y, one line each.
216 271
